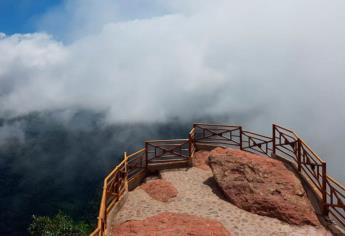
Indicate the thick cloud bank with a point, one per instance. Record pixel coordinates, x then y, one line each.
274 61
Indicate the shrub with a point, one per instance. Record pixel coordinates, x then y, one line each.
59 225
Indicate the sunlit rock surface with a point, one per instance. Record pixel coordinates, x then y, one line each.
171 224
160 190
261 185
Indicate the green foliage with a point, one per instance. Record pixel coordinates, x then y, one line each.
59 225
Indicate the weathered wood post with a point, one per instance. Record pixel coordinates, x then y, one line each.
190 143
273 141
126 170
241 146
324 190
102 227
103 215
299 155
194 128
146 155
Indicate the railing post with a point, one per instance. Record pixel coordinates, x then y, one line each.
102 226
273 140
126 169
146 155
324 190
190 143
299 157
193 141
241 146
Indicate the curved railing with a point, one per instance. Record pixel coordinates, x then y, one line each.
284 143
330 193
114 187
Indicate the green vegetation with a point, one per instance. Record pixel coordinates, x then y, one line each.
59 225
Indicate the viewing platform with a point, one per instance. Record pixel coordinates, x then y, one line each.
195 193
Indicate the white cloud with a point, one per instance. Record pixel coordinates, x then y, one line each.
185 59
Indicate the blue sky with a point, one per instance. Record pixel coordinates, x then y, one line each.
68 20
20 16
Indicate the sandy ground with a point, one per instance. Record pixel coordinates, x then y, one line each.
199 195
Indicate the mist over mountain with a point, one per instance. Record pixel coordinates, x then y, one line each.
97 78
57 160
58 165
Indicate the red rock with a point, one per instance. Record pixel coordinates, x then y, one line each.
201 160
261 185
171 224
160 190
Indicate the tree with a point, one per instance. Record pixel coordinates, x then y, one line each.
59 225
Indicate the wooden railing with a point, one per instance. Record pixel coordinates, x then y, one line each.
217 135
136 164
284 143
192 145
160 151
114 188
335 198
330 193
257 143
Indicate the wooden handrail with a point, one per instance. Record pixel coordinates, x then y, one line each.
336 183
166 140
288 130
192 131
260 135
222 125
136 153
310 150
331 193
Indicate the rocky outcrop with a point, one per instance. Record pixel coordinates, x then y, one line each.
171 224
261 185
160 190
200 160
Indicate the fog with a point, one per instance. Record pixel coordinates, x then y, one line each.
250 62
156 60
52 164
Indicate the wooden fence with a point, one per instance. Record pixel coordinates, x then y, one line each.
114 188
217 135
162 151
330 193
284 143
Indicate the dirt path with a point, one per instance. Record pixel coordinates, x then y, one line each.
197 195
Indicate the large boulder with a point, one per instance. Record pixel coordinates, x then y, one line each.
160 190
261 185
171 224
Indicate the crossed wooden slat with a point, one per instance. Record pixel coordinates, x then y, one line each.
219 134
136 163
171 151
315 167
339 203
117 184
292 144
257 144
